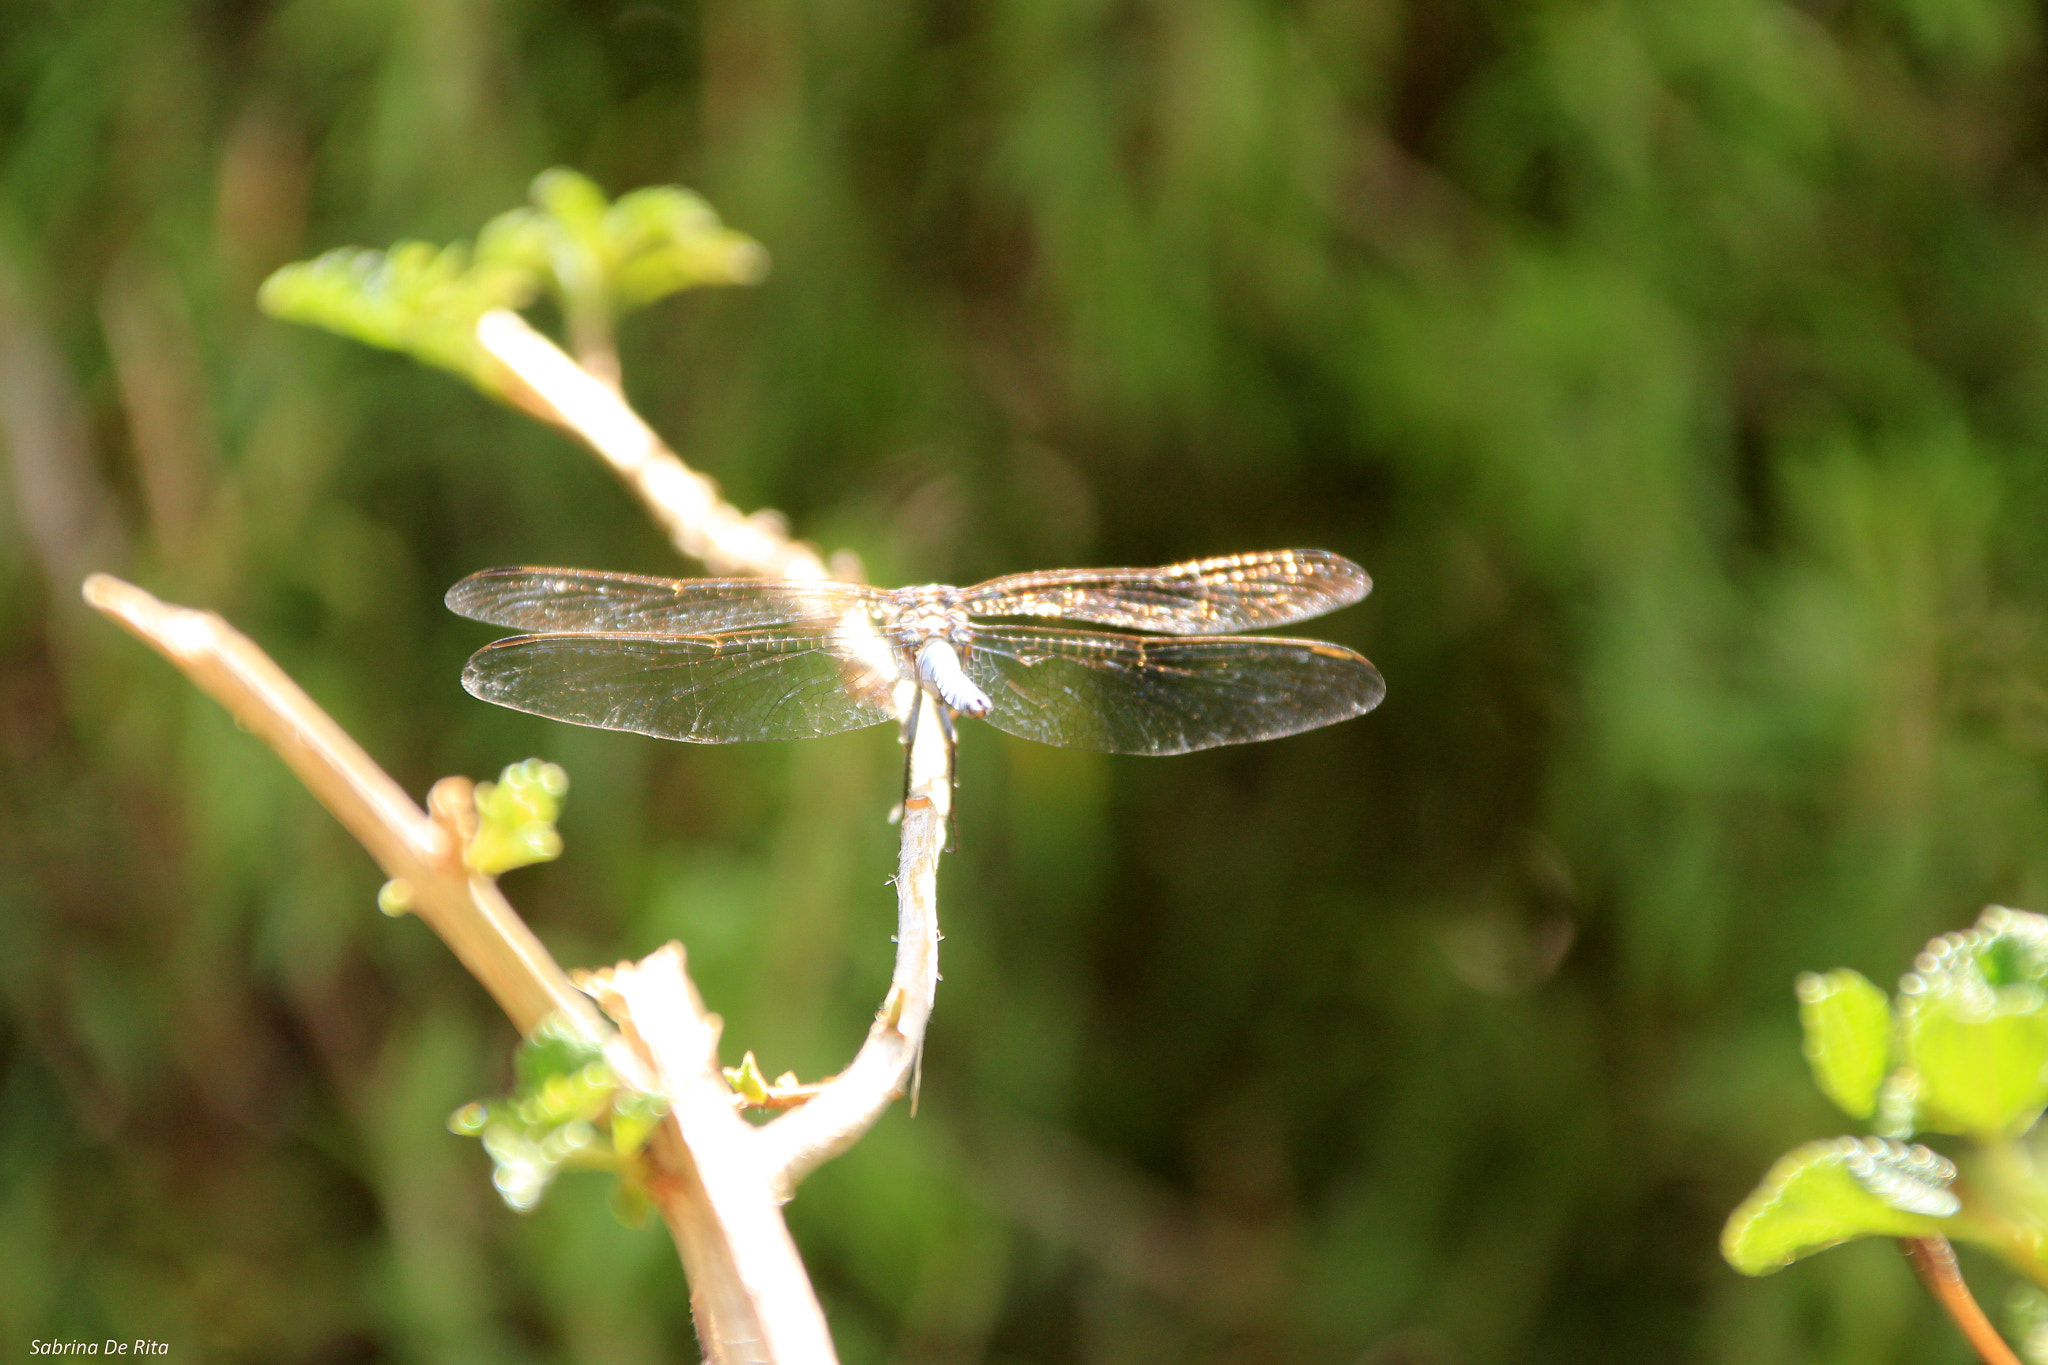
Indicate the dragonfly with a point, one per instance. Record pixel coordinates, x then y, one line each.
720 660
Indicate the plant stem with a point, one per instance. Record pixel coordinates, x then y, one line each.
1934 1261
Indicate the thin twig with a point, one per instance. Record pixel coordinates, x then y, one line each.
848 1105
1934 1261
465 909
546 382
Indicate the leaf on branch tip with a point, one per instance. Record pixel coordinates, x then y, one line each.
598 258
1833 1191
614 257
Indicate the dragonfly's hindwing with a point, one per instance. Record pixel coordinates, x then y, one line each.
772 684
1127 694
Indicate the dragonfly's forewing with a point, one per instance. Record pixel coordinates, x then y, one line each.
780 683
1201 597
1125 694
592 600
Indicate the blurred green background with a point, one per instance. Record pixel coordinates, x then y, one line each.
1677 367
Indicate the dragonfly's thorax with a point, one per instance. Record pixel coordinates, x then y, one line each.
915 616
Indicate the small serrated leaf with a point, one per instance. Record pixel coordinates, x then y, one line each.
1833 1191
1848 1032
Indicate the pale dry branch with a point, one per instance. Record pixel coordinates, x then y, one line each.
748 1288
546 382
717 1180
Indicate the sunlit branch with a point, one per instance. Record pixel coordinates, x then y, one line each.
709 1179
716 1179
848 1105
546 382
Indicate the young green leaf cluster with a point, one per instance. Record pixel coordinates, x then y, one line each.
599 260
567 1110
516 818
1961 1049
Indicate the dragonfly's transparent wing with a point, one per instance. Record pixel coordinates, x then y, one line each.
1128 694
592 600
784 683
1200 597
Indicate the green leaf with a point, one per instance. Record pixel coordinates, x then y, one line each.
1848 1026
598 258
1833 1191
573 200
610 258
1973 1026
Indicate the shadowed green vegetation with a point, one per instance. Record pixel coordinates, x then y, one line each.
1677 370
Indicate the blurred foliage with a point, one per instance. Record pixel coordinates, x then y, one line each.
597 259
567 1092
1677 370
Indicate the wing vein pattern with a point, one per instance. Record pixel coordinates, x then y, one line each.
712 661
